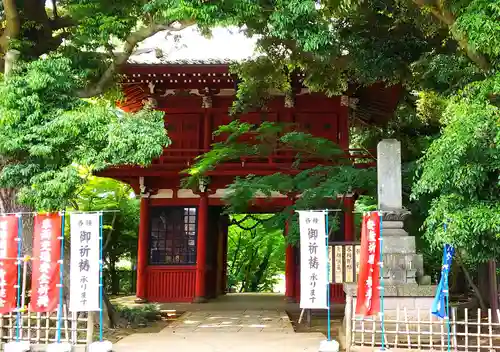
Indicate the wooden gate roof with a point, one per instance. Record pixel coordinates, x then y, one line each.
191 61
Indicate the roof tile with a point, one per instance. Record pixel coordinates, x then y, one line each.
189 47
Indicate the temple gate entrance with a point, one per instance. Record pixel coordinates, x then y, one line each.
255 255
183 232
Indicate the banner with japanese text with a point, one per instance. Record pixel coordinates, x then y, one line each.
46 268
313 260
368 296
8 262
85 266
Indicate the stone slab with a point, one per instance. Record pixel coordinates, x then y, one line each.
238 321
389 183
17 346
221 342
398 290
400 244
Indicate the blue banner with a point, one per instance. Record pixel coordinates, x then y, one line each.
440 306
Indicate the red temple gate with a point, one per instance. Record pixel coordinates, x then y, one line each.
182 235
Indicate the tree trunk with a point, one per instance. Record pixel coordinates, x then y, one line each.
115 280
460 283
261 270
475 288
8 204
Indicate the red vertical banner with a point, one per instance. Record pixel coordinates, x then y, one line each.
8 262
46 269
368 297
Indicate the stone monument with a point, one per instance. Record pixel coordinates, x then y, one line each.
405 284
402 265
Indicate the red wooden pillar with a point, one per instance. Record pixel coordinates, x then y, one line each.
142 251
290 270
201 250
348 218
225 234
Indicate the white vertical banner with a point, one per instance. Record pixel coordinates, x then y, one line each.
313 260
84 269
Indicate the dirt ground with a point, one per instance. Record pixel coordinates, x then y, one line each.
115 335
318 324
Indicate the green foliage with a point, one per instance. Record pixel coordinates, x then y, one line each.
139 316
333 44
479 20
317 185
461 172
255 93
46 132
256 255
446 52
244 139
120 223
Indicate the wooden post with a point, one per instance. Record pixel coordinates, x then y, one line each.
348 218
201 250
290 269
142 251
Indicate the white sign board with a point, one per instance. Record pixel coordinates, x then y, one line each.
84 269
313 260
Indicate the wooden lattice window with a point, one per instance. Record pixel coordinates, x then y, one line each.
173 236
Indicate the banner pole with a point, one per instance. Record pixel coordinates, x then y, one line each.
25 274
381 288
61 280
100 278
447 298
328 279
19 248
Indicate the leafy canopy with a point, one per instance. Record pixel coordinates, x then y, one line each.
461 171
47 132
445 51
255 255
120 223
307 187
446 55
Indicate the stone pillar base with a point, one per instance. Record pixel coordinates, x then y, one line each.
404 302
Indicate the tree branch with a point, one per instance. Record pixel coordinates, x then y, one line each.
122 58
108 238
470 281
62 22
447 18
54 9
